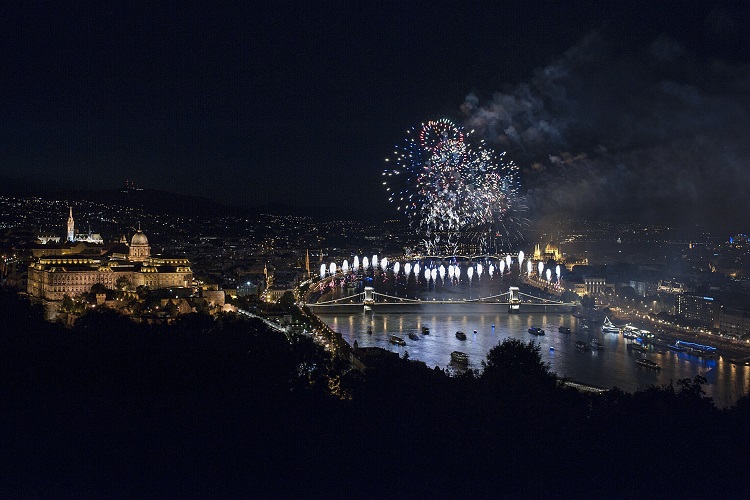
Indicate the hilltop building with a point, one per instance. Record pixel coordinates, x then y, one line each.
53 276
70 234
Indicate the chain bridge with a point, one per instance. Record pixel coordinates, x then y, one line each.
514 299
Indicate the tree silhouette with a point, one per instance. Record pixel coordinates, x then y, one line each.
513 359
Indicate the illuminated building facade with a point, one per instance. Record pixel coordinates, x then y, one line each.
698 308
52 277
734 322
551 252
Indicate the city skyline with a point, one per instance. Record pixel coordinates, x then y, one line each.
616 112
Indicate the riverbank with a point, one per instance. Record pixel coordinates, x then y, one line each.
725 346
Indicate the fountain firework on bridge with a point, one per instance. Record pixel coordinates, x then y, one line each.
432 280
451 279
455 191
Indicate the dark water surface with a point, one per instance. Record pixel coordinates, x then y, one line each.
486 325
613 366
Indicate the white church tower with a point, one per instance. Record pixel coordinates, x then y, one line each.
71 226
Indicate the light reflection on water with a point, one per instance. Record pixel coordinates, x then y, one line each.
614 366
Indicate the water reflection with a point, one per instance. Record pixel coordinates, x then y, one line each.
613 366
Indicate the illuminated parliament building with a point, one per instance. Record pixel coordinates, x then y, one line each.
53 276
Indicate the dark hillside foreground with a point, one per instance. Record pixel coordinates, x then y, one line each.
222 406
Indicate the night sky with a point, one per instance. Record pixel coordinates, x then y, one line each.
613 110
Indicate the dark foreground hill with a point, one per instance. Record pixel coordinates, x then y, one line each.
224 407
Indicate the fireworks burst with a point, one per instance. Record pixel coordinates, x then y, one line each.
454 190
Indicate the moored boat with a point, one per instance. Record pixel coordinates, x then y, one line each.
580 344
535 330
631 332
596 345
460 358
705 351
413 336
563 329
460 335
648 363
396 340
637 347
425 330
609 327
369 330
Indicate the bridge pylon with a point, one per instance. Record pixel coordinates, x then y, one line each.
369 300
514 300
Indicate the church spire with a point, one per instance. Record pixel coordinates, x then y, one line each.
71 226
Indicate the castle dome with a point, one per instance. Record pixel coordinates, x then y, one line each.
139 239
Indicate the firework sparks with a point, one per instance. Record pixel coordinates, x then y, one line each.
452 188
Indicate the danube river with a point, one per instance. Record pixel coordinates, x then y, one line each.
486 325
613 366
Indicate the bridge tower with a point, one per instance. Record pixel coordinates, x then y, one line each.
514 300
369 300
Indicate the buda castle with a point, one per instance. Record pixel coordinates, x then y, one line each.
53 276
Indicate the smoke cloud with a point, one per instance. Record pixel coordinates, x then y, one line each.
656 135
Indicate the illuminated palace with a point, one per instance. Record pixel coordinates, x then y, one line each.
52 277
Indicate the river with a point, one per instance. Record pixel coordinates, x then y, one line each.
486 325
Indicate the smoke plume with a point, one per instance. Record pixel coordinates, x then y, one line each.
655 135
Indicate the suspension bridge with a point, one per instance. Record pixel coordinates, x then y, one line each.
514 299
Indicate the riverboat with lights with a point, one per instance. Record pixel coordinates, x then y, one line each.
396 340
460 358
648 363
609 327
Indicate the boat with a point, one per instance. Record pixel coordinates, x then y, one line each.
460 335
637 347
396 340
595 344
425 330
535 330
580 344
369 330
609 327
563 329
645 334
660 343
460 358
701 350
413 336
631 332
648 363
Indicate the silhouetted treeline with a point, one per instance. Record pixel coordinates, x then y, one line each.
209 407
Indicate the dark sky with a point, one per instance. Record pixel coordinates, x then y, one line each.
612 109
